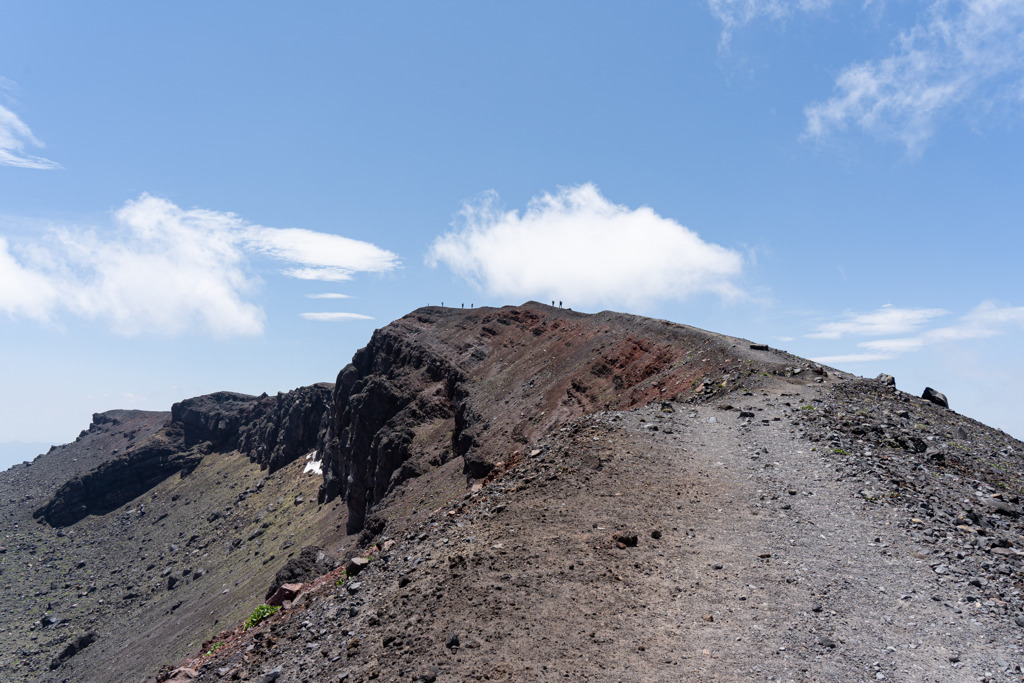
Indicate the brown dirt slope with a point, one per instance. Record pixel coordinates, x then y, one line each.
720 513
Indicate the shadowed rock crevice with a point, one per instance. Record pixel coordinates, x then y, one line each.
396 395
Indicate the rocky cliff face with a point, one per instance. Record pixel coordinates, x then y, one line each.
479 384
272 431
389 406
277 430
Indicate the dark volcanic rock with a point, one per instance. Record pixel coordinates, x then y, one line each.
272 431
120 480
214 418
392 388
936 397
279 429
311 562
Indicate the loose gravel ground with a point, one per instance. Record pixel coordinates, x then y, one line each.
771 543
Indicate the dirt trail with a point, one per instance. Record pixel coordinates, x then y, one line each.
754 560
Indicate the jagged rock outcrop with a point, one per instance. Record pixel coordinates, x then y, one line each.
121 479
278 429
214 418
272 431
393 394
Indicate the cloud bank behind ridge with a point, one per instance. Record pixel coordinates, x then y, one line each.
577 246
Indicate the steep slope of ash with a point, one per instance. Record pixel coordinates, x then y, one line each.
153 528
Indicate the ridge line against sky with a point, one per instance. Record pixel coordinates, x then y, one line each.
843 178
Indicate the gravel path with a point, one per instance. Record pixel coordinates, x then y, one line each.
756 557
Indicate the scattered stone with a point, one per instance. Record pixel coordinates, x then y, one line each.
288 591
887 380
656 534
356 565
452 641
626 539
272 675
428 675
936 397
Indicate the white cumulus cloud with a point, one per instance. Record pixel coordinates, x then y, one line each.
966 50
15 137
577 246
166 270
23 292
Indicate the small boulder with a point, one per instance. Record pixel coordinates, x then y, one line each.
887 380
288 591
936 397
626 539
356 565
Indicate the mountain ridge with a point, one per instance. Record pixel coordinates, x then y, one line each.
500 471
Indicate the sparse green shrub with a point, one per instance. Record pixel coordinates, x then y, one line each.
258 615
839 451
806 407
216 646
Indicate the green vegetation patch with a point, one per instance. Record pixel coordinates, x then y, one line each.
258 615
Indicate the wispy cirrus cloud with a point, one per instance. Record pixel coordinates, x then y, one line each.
851 358
335 317
318 255
986 320
166 270
965 51
15 139
578 246
886 320
737 13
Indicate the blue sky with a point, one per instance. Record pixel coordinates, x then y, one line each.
201 196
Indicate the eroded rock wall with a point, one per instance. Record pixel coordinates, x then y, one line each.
394 389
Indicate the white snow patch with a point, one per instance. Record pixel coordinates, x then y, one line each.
314 464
